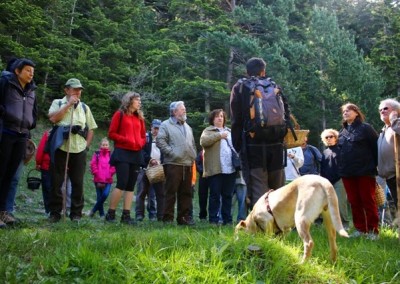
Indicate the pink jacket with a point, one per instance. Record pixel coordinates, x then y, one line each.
102 171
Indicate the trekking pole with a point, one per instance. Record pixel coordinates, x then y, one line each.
397 160
64 187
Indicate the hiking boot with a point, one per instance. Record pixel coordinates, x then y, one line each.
110 216
54 218
139 218
6 218
126 219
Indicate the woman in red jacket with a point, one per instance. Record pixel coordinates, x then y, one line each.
128 131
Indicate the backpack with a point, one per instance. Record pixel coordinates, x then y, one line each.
267 113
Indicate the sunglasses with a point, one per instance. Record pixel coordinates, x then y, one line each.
329 137
385 108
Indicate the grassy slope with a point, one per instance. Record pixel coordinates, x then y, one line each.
94 252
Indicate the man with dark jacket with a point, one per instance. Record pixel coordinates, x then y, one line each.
263 159
18 110
151 157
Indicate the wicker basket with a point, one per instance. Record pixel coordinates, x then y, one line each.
379 195
155 174
289 140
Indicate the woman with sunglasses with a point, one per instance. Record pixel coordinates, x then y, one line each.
330 171
389 111
358 158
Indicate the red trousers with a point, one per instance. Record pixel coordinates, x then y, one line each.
361 195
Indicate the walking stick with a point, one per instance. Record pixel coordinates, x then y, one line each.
397 160
64 187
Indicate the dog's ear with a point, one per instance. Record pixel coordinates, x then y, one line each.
242 224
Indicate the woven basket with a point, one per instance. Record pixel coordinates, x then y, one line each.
155 174
289 140
379 195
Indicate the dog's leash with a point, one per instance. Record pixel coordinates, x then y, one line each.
270 211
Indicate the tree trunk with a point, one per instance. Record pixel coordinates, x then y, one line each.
72 17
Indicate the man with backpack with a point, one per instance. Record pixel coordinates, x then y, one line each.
259 116
69 143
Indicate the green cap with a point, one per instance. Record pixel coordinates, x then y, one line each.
74 83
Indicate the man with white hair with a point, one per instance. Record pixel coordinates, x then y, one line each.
176 143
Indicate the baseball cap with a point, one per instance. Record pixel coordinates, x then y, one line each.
74 83
156 123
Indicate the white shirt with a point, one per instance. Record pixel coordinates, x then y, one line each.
293 165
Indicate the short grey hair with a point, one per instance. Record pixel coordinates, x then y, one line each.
395 105
173 106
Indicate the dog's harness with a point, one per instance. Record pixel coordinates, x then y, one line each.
270 212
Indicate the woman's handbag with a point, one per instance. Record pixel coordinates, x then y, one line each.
379 195
236 163
155 174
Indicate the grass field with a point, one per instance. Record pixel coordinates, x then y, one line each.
91 251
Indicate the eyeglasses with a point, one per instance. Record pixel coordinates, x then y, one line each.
385 108
329 137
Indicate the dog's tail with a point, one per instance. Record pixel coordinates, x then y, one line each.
333 207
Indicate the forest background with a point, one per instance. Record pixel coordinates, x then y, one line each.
322 52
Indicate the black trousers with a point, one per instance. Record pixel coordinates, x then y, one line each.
76 172
12 151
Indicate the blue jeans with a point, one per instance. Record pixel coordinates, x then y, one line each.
102 194
10 201
221 192
46 189
241 191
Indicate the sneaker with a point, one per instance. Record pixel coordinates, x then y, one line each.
91 214
139 218
356 234
6 218
186 222
2 224
75 218
153 219
372 237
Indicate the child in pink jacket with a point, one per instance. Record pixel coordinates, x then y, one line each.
102 173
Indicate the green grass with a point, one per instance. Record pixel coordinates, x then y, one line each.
94 252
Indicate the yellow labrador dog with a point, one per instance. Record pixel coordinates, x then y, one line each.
298 204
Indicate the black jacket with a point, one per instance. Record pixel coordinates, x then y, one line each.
358 150
329 164
19 107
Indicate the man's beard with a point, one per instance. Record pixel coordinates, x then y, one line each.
182 118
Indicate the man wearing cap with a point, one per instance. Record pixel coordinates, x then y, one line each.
76 121
151 157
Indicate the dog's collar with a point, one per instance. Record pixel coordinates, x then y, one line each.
269 210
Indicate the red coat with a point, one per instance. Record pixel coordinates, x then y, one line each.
130 134
42 158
